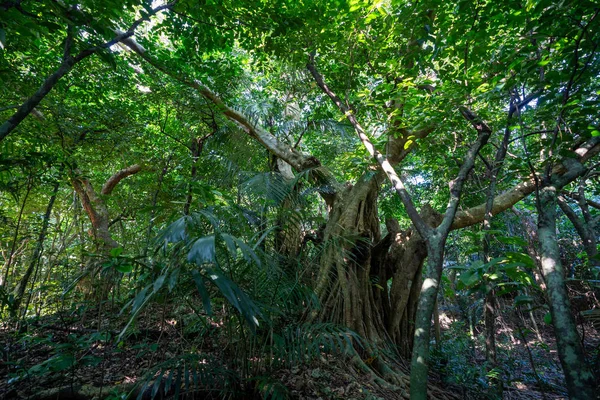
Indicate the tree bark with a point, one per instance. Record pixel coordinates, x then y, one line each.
20 289
580 381
585 230
11 255
420 355
95 207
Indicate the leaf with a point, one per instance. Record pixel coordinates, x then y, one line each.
159 282
236 297
522 299
512 240
176 232
173 279
199 280
124 268
203 250
548 318
249 254
108 57
139 299
523 258
116 252
62 362
469 277
230 243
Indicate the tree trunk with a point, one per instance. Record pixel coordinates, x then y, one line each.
585 230
20 289
420 355
196 147
580 381
356 265
95 207
97 212
12 253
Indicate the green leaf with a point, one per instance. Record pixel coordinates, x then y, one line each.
236 297
108 57
116 252
522 299
203 250
173 279
512 240
199 280
159 282
469 277
548 318
124 268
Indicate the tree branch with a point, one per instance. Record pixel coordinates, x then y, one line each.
66 65
512 196
296 159
118 177
576 196
483 134
423 229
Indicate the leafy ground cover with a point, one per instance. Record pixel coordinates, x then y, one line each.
74 355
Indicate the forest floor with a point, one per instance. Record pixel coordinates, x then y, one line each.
70 356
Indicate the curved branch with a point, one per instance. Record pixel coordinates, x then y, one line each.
66 65
382 160
512 196
118 177
298 160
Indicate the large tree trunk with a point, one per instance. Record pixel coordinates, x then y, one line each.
357 264
580 381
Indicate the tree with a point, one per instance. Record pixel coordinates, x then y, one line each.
424 98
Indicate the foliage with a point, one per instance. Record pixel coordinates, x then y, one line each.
246 212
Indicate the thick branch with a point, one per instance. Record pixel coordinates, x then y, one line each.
382 160
296 159
573 217
118 177
66 65
576 196
483 134
511 197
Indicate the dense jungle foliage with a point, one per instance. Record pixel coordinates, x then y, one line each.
344 199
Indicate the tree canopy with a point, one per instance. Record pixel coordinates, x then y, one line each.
316 178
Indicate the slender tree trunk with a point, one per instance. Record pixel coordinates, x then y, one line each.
95 206
580 381
195 148
420 356
97 212
161 177
20 289
490 333
489 304
11 255
585 229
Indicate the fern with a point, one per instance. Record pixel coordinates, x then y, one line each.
304 343
271 389
186 374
